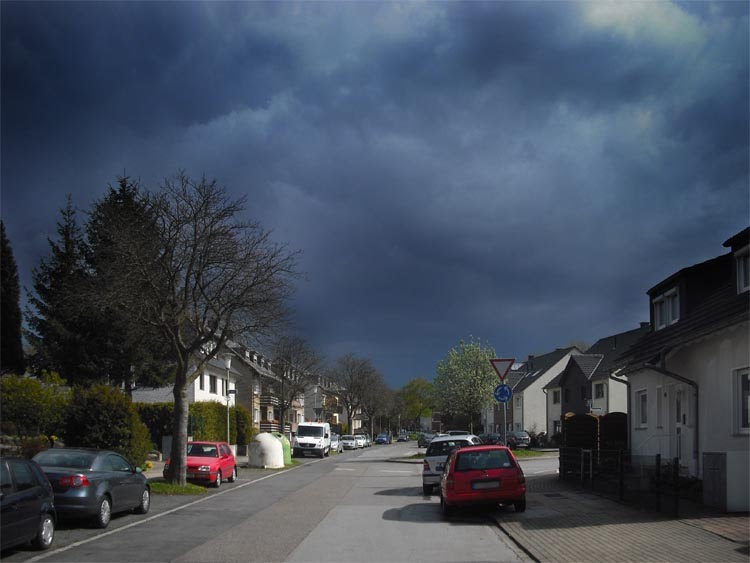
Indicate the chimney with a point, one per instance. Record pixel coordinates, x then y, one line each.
531 362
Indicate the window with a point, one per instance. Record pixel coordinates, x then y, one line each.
200 382
223 387
659 407
212 384
556 426
641 405
743 270
556 397
599 390
666 309
742 400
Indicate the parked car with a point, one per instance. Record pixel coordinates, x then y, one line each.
482 475
494 439
456 432
209 463
336 445
403 438
518 440
383 439
349 442
436 454
424 439
91 483
27 503
360 439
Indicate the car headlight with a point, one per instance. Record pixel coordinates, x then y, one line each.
204 468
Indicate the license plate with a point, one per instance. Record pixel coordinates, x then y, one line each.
478 485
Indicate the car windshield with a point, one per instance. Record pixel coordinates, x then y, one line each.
316 431
72 460
444 447
493 459
382 436
202 450
347 437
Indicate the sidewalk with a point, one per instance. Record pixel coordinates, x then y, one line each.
564 524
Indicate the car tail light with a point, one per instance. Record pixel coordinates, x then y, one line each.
449 484
426 466
521 477
74 481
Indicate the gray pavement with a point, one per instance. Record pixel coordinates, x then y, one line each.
564 524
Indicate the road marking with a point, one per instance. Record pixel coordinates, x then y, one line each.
155 516
344 469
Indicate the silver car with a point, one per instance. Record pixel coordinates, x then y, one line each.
336 444
437 454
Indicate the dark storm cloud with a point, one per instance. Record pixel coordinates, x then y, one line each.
522 172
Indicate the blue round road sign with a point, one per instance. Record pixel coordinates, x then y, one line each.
503 393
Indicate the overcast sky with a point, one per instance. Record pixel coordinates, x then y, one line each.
521 172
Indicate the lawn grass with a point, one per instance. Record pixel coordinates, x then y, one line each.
523 453
164 488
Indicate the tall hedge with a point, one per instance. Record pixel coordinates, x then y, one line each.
208 421
101 416
31 407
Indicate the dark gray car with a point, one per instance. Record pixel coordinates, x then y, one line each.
27 504
94 484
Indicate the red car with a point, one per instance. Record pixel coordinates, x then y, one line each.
209 462
482 475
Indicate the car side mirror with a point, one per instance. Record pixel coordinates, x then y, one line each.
326 436
138 470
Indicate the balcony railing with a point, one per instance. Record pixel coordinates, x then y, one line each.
266 400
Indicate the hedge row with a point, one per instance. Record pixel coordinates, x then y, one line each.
38 412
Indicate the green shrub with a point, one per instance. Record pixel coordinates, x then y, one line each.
103 417
159 418
32 406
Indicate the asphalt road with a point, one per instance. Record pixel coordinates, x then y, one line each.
355 506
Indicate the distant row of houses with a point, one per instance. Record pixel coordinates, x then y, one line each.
683 378
241 376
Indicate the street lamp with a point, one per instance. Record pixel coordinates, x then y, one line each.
230 392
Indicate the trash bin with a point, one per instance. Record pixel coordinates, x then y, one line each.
266 451
286 446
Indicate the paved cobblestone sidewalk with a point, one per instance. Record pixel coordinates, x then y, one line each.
566 525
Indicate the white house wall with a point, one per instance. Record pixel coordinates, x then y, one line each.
535 400
711 364
616 394
554 410
205 395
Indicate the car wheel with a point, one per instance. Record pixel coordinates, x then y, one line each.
233 478
427 489
217 483
46 532
327 452
104 514
520 506
445 507
145 504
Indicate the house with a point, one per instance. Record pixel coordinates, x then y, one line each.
529 398
585 385
689 381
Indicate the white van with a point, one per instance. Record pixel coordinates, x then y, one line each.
312 437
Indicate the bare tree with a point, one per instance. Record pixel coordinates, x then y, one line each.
203 276
351 376
297 366
376 397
